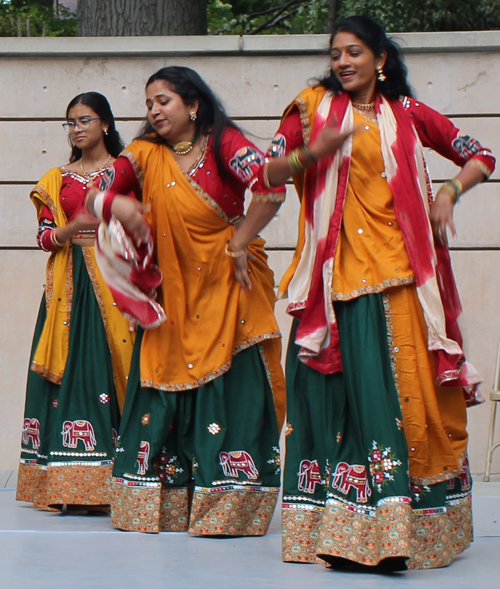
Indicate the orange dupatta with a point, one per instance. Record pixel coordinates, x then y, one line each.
209 318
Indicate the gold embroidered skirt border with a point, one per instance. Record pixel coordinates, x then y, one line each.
232 512
154 508
430 538
149 508
71 484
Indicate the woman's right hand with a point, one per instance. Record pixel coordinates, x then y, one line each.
129 212
330 140
83 221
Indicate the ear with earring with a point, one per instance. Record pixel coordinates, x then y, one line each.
380 72
105 131
193 116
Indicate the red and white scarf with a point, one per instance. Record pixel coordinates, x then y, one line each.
310 288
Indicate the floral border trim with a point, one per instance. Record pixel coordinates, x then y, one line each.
91 270
269 196
439 478
135 164
378 288
214 374
304 119
208 199
390 341
47 200
480 165
49 292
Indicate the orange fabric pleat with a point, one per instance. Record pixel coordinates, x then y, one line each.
434 417
209 318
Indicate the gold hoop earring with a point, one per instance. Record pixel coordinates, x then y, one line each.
381 77
193 116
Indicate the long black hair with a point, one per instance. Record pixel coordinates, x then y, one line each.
100 105
372 35
190 86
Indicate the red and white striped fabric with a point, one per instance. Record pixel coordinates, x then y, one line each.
128 271
310 288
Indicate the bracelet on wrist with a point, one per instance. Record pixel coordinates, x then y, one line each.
106 206
454 188
294 162
232 254
54 240
308 154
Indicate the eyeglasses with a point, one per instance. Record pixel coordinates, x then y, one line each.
82 124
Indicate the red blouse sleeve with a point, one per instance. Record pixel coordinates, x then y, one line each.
440 134
125 180
46 227
245 162
289 135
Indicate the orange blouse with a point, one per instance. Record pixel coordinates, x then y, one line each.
371 254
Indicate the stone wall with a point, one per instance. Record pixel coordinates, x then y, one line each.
255 77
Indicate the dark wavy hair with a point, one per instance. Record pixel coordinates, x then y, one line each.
190 86
372 35
100 105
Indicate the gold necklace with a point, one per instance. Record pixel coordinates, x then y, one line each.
364 106
104 165
184 147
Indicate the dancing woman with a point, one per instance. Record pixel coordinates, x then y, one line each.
199 442
377 382
82 344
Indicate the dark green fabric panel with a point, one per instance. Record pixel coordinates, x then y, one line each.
87 390
233 413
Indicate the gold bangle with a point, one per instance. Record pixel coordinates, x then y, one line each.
267 182
232 254
53 239
454 188
294 162
308 154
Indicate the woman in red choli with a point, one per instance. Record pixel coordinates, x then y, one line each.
82 344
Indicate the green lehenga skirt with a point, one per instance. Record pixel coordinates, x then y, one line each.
347 491
70 430
204 460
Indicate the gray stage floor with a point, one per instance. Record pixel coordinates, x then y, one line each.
41 550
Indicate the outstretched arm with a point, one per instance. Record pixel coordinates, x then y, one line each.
441 213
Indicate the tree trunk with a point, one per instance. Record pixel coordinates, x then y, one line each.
118 18
333 10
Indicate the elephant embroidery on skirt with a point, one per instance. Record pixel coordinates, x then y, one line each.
31 430
81 429
309 476
143 457
349 476
233 462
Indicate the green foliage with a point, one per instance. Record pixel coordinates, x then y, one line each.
241 17
41 18
311 16
244 17
427 15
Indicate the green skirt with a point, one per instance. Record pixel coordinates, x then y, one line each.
347 493
70 430
203 460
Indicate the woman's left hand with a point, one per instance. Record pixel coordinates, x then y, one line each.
242 271
441 216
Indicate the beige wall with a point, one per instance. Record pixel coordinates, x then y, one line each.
456 73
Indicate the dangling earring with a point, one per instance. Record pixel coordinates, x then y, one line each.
105 131
193 116
381 77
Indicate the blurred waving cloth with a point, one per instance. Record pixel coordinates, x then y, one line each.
128 270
